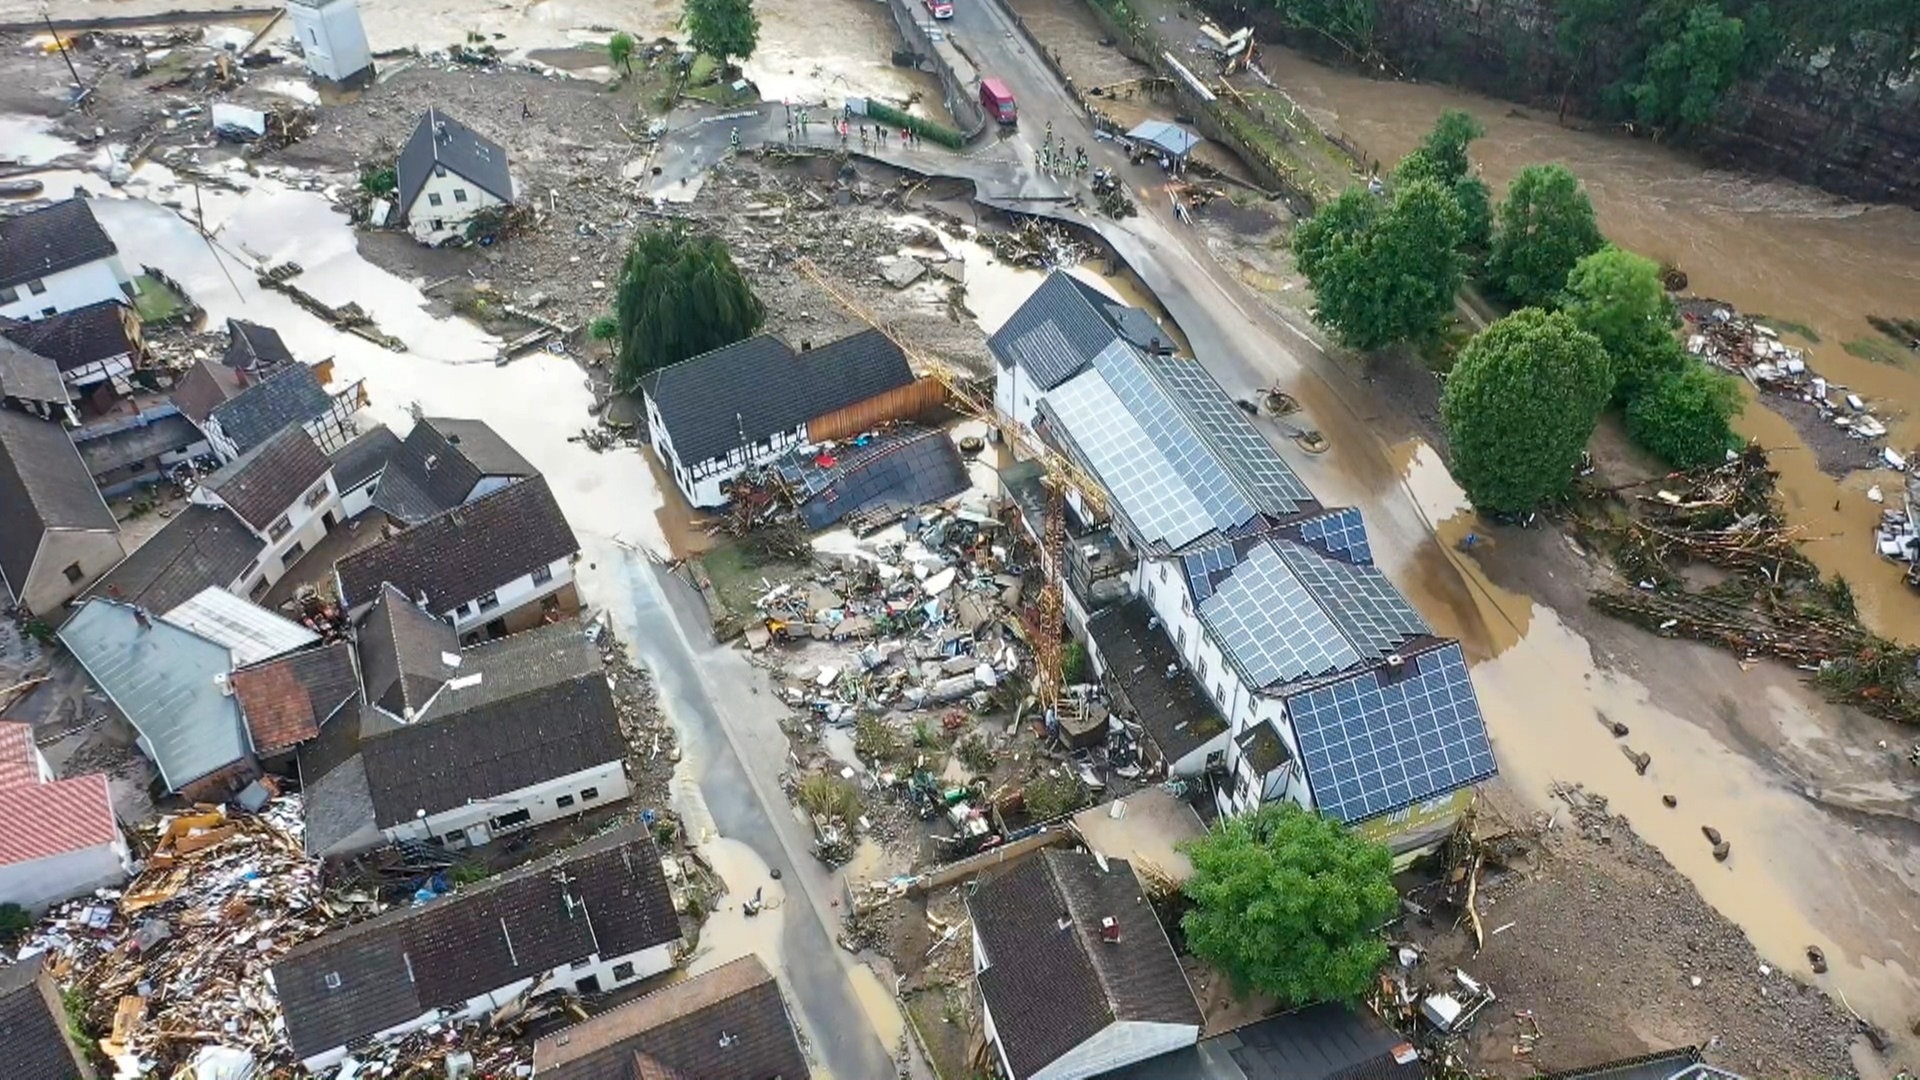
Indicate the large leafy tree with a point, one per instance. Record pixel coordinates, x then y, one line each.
1519 407
1546 225
1697 55
1686 417
680 296
1383 272
726 30
1443 159
1618 297
1289 903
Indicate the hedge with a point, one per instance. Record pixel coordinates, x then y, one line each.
920 126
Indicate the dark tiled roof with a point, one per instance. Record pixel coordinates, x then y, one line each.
728 1024
142 443
1051 988
31 1033
760 386
264 481
1323 1042
552 720
252 347
437 466
74 338
293 395
1057 331
1663 1065
47 241
465 552
335 804
286 699
439 139
401 653
1176 712
203 388
27 375
613 901
201 546
43 485
363 458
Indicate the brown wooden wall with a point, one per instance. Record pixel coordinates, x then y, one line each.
915 399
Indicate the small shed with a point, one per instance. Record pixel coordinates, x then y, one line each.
1170 139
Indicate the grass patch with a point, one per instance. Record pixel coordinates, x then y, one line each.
829 797
1876 350
739 576
1787 326
155 302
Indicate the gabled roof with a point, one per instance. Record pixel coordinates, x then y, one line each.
44 486
252 347
1052 987
607 896
27 375
250 632
32 1027
167 681
462 553
439 464
757 387
728 1024
1058 331
439 139
263 482
1320 1042
285 700
363 458
202 546
204 388
49 240
290 396
531 708
403 653
40 819
1176 712
72 339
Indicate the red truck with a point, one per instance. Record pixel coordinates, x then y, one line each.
939 9
998 101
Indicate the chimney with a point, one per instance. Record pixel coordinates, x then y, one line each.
1110 930
140 617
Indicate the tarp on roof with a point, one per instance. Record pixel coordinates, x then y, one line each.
1171 138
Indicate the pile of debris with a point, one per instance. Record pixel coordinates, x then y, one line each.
1730 341
1035 244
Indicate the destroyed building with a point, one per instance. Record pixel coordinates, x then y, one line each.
755 401
593 918
95 346
1301 674
444 463
462 747
58 838
254 351
447 173
56 534
731 1023
283 490
34 1033
58 258
1320 1042
1076 975
491 567
291 396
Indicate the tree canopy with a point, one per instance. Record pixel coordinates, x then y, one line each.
1617 296
1686 416
726 30
1383 272
1697 56
1546 225
1442 158
680 295
1288 903
620 50
1519 406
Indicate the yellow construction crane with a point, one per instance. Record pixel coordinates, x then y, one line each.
1062 475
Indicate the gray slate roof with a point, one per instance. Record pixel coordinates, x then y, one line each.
439 139
761 386
44 486
27 375
201 546
437 466
31 1028
140 443
164 679
252 347
363 458
78 337
607 896
49 240
467 551
1060 329
1052 988
401 653
542 710
293 395
1322 1042
264 481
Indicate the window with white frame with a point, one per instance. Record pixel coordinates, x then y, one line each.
279 528
542 574
489 600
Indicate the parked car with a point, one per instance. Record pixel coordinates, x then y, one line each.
998 101
939 9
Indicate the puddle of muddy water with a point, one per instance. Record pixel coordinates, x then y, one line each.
29 140
877 1000
730 933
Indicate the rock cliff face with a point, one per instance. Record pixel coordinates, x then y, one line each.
1825 119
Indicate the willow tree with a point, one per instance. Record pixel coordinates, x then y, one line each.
680 296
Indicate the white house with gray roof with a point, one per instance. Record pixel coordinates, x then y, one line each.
449 172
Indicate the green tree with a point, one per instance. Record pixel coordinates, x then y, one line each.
1546 226
726 30
1383 272
1686 417
680 296
1617 297
1446 145
620 50
1697 55
1442 158
1519 407
1289 903
14 923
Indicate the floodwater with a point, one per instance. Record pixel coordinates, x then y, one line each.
1767 247
29 140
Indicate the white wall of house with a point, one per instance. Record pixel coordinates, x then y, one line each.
528 588
68 561
445 202
700 481
332 37
288 537
37 884
357 501
474 824
1016 395
78 286
609 972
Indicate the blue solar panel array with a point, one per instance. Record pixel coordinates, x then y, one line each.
1176 438
1370 749
1274 629
1203 564
1245 453
1371 613
1341 533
